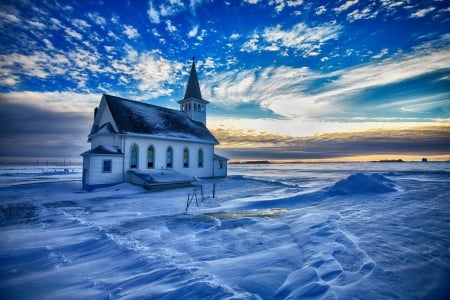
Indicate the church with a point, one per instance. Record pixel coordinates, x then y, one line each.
151 145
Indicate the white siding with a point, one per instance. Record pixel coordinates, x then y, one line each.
104 115
160 147
220 168
107 140
96 174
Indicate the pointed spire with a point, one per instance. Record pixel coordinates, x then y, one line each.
193 88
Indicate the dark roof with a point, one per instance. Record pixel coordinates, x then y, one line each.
218 157
101 149
105 128
142 118
193 87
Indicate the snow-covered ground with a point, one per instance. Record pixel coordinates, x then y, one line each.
320 231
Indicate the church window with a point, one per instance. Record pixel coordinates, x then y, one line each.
169 158
107 166
190 106
220 164
200 158
134 156
150 157
195 106
186 158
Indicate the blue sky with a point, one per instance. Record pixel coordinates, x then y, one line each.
286 79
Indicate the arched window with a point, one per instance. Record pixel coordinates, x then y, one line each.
200 158
134 156
185 158
169 158
150 157
195 106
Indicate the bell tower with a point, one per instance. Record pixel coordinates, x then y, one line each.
193 104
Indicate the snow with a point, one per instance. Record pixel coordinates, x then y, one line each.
315 231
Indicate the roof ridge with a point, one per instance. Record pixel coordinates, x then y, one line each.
142 103
137 117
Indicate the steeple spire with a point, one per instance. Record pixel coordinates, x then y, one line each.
193 88
193 104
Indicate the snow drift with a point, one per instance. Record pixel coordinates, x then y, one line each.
271 232
360 183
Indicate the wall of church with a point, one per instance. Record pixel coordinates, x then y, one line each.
106 140
97 176
104 115
205 169
220 168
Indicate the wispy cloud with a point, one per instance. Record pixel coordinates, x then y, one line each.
165 9
170 27
131 32
422 12
158 11
56 102
302 92
320 10
346 5
193 32
302 38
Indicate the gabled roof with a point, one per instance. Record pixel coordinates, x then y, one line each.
193 87
105 128
102 149
218 157
132 117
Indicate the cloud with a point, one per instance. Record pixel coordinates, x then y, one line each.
383 52
346 6
167 9
153 14
32 131
79 23
366 13
56 102
96 18
170 27
422 12
280 5
303 92
131 32
193 32
72 33
417 140
301 38
321 10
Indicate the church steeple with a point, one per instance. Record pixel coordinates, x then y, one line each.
193 88
193 104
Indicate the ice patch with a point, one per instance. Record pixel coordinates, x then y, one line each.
360 183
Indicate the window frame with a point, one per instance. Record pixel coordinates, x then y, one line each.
185 157
134 147
104 161
200 158
152 157
169 159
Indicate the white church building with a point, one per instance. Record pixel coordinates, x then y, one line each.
151 145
